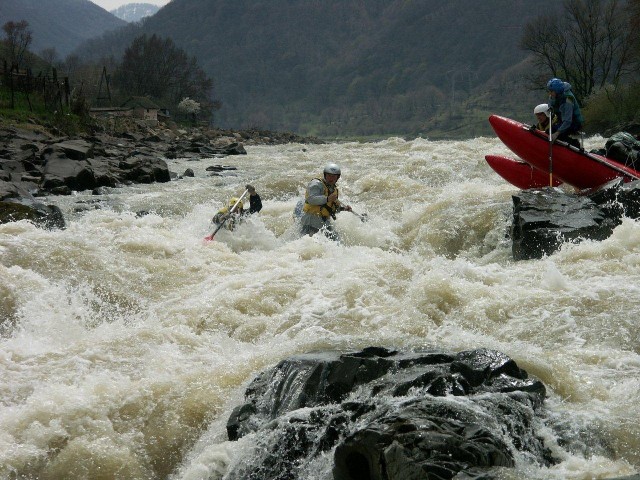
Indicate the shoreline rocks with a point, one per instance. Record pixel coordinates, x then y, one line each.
35 162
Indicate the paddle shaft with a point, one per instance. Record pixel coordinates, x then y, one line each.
362 217
550 115
210 237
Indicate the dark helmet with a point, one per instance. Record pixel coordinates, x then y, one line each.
332 168
555 85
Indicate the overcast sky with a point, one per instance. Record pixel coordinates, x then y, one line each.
112 4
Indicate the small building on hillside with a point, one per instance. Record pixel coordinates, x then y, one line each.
105 112
143 108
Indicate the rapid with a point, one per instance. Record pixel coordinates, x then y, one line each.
126 340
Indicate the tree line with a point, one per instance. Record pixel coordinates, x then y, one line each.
151 66
595 46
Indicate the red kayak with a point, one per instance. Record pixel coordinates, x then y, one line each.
568 164
520 173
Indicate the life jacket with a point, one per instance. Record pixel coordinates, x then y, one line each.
232 221
326 210
553 123
237 211
577 120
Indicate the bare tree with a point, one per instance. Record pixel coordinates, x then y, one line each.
71 64
155 67
50 57
590 46
634 24
17 41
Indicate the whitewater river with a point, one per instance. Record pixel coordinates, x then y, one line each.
126 340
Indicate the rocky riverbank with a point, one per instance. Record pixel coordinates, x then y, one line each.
36 161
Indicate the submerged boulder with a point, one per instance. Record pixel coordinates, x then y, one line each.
390 415
46 216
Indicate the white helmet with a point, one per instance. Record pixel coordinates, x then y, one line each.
332 168
542 108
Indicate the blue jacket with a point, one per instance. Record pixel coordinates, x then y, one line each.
567 106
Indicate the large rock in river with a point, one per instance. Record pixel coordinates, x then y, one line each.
390 415
544 219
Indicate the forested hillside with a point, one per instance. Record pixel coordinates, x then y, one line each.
354 67
59 24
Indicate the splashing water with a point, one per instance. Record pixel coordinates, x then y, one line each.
127 340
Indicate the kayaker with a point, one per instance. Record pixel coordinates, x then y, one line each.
321 203
565 104
542 113
235 216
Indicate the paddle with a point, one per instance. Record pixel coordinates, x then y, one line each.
208 238
550 115
362 216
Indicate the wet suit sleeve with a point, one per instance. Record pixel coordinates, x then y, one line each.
316 193
566 113
255 203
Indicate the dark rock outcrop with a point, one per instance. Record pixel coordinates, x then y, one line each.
36 163
390 415
545 219
46 216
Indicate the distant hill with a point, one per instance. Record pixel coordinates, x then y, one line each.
134 12
61 24
353 67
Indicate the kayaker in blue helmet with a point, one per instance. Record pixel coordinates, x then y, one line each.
565 104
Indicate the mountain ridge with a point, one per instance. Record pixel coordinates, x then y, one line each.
59 24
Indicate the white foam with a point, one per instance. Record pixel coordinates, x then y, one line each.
126 333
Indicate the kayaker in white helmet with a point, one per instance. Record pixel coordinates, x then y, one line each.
543 113
321 203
